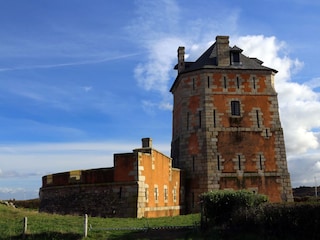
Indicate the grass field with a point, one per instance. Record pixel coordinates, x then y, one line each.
51 226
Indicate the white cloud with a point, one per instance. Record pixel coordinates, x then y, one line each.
21 180
68 64
10 190
18 193
304 168
158 29
299 104
53 157
272 52
317 165
155 74
87 88
299 107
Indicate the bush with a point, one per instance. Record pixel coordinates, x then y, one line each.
32 203
281 221
218 207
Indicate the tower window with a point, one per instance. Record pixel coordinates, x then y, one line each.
254 82
258 120
188 117
238 83
239 162
224 82
214 119
193 84
260 162
235 108
193 163
208 82
199 119
218 162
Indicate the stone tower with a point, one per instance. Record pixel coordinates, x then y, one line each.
226 126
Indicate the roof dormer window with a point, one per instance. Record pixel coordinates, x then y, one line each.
235 56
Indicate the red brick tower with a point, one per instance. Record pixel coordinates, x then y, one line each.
226 127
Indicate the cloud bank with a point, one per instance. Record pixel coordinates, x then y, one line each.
298 102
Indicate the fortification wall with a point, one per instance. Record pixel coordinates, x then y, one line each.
141 184
91 192
92 176
103 200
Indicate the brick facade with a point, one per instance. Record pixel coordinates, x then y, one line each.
226 134
226 127
141 184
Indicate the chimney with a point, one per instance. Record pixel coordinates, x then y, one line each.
180 59
146 143
223 51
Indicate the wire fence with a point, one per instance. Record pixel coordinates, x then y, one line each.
145 228
90 227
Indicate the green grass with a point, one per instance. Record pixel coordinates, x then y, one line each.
52 226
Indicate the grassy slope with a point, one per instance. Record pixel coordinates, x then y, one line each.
52 226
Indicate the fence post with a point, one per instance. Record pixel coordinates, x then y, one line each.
85 226
25 226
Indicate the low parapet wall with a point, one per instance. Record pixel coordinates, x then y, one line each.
92 176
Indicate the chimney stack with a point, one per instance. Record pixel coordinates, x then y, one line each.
181 59
146 143
223 51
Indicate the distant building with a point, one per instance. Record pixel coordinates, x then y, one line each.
226 126
226 135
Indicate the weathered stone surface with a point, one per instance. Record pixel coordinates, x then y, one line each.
126 190
245 147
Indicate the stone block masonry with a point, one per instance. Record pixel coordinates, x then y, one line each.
226 126
226 134
141 184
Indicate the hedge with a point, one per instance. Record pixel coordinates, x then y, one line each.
285 221
219 207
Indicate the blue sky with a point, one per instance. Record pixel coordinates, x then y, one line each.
83 79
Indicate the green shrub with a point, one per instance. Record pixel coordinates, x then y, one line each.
32 203
218 207
280 221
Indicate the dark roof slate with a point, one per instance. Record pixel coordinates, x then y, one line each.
209 60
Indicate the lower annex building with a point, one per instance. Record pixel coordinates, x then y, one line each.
141 184
226 134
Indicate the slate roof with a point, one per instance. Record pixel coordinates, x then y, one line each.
208 60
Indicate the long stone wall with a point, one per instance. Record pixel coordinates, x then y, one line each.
91 192
141 184
103 200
